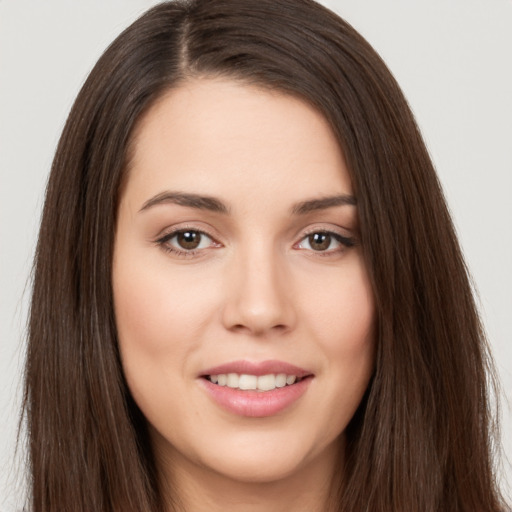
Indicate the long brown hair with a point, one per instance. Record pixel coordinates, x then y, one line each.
421 439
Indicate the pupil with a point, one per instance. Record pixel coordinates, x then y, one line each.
189 239
319 241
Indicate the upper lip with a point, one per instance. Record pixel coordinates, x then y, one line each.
257 368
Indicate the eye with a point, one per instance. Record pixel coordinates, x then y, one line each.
190 240
325 241
186 241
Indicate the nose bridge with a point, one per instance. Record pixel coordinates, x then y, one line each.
258 298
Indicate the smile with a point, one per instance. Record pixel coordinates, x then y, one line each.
256 390
253 382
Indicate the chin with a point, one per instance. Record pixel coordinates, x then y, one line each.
264 458
257 471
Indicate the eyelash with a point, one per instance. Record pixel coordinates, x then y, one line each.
163 242
346 242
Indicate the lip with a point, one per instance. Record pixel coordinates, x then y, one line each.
257 368
252 403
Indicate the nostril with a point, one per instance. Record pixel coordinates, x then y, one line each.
258 309
261 329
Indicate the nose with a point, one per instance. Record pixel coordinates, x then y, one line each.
259 295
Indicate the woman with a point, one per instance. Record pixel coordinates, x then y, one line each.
237 299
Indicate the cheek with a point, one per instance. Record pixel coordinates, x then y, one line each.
155 307
160 320
341 310
354 329
343 319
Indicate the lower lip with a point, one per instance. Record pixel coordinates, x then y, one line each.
256 404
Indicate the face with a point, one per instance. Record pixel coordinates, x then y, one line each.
243 307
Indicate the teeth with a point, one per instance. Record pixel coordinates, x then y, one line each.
290 379
233 380
280 380
266 382
253 382
247 382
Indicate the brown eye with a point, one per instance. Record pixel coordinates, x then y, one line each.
186 241
327 242
319 241
189 240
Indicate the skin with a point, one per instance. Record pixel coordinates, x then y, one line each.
256 288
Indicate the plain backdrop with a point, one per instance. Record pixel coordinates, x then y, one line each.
453 59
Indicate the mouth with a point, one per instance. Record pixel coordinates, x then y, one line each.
256 389
248 382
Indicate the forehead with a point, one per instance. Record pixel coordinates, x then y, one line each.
224 138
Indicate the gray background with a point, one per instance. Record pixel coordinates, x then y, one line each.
453 59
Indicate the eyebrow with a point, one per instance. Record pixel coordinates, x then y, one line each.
323 203
189 200
216 205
